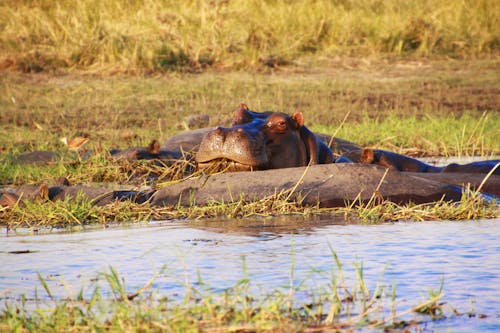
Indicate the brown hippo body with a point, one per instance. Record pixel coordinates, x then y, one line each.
98 195
186 141
152 152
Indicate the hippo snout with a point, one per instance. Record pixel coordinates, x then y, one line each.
236 144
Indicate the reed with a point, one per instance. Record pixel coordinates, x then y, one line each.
113 306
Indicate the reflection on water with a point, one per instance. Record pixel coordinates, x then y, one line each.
414 256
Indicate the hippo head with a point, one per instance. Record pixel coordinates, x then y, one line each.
256 141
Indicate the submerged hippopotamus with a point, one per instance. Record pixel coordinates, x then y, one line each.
264 140
400 162
63 190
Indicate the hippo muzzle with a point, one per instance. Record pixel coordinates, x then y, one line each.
267 140
243 146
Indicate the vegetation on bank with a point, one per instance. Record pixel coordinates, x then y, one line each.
339 305
141 36
416 108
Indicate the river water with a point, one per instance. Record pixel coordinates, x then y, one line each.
413 256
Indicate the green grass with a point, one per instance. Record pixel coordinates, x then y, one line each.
431 135
163 35
340 305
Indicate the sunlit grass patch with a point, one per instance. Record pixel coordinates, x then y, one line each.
162 36
430 135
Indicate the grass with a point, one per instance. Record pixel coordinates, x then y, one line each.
108 304
471 206
431 135
437 108
162 35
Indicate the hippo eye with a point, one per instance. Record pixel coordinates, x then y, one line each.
269 124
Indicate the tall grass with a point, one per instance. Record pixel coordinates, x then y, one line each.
164 35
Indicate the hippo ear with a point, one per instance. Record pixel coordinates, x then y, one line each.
244 106
42 192
367 156
309 139
154 147
298 117
9 200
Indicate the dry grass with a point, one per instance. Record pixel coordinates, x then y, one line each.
144 36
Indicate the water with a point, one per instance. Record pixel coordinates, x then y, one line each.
415 256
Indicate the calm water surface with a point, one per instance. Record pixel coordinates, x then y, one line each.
413 256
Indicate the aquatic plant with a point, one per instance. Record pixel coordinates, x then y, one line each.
342 306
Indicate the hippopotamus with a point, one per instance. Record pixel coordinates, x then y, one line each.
400 162
61 189
488 166
390 160
317 151
330 185
264 140
152 151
